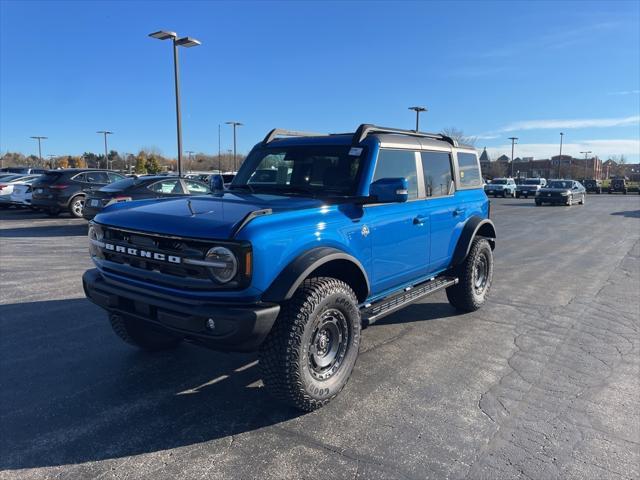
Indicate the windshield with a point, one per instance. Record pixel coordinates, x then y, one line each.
532 181
323 170
499 181
558 184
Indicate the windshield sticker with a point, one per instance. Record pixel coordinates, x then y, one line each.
355 151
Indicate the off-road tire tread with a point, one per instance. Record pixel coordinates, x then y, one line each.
461 295
279 354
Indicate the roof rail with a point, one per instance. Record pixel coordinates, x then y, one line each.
276 132
366 129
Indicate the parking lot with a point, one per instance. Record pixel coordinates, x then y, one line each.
543 382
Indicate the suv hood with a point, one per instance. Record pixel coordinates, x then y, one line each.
213 216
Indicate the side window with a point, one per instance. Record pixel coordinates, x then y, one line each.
114 177
97 177
166 187
196 188
81 177
436 167
469 170
398 163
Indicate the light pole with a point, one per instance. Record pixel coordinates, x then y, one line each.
418 111
51 157
39 146
513 142
235 124
585 163
106 151
177 42
219 160
560 159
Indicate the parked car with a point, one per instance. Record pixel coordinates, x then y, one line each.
7 186
529 187
22 191
594 186
566 192
505 187
618 185
366 224
140 189
65 190
23 170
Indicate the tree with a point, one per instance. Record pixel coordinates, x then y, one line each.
152 165
141 163
459 135
63 162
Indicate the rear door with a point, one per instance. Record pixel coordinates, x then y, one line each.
441 206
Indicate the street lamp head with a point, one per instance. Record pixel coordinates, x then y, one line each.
237 124
163 35
418 109
39 138
187 42
106 132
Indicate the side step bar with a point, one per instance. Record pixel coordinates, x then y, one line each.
373 312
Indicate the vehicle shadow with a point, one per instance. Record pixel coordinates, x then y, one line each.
72 392
628 213
75 229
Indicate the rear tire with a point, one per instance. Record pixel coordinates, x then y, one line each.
136 333
308 356
474 278
76 206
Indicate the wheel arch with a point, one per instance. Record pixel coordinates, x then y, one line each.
319 261
474 227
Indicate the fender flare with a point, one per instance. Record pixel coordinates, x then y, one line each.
291 277
472 229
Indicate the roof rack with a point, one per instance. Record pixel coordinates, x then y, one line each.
366 129
279 132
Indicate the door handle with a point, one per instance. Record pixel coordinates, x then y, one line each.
419 220
459 211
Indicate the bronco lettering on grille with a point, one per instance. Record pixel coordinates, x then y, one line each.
135 252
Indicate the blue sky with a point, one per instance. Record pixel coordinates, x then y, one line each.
492 69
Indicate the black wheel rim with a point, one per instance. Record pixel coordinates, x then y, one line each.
481 273
328 344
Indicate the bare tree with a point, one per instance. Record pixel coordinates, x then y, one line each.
459 135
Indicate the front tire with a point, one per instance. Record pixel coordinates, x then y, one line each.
474 278
134 332
584 196
308 356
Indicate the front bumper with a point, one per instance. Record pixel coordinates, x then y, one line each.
543 199
237 327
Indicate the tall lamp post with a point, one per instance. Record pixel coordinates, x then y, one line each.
39 146
51 157
513 142
560 159
585 163
418 111
177 42
235 124
106 150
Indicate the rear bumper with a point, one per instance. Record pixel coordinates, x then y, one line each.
90 212
237 327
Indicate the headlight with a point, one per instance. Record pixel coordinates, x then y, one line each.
564 194
95 240
227 266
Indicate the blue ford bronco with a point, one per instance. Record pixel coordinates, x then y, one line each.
341 230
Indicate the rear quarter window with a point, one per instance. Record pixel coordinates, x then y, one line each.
469 170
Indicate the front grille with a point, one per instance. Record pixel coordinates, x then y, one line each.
172 274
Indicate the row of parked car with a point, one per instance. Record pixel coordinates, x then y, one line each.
84 192
561 191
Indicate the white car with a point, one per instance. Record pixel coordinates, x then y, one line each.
21 195
7 186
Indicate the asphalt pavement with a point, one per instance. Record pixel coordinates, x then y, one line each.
542 383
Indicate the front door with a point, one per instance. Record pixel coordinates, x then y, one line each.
399 231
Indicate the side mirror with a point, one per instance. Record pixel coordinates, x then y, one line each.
390 190
216 183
